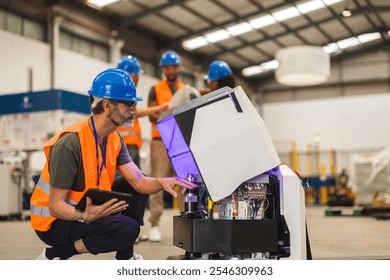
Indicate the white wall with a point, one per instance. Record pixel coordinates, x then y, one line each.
73 71
344 123
17 55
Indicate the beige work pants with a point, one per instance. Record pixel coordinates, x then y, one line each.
160 167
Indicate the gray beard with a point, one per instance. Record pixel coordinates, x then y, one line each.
129 124
122 119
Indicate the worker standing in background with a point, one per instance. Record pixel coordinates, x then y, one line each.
159 94
132 135
85 155
219 75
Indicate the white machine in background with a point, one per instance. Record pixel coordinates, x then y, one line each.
10 192
18 168
246 205
28 121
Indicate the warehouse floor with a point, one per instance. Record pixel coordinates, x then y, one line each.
331 237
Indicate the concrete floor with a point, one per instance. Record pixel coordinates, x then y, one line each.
334 237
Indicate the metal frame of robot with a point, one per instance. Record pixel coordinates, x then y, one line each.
280 235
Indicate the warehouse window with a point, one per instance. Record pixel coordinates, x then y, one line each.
22 26
13 23
34 30
148 67
100 52
84 46
187 78
2 19
66 41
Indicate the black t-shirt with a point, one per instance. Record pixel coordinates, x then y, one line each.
66 162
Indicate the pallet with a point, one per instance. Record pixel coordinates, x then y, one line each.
343 212
371 211
381 216
382 213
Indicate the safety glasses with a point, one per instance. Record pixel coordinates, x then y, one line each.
129 104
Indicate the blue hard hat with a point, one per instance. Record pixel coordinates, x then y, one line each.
114 84
170 58
217 70
130 64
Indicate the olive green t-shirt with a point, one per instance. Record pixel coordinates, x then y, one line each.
66 163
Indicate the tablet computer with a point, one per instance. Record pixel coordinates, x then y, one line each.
101 196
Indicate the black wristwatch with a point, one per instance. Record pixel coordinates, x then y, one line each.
80 218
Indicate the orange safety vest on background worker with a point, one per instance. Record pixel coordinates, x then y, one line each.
132 136
40 216
163 95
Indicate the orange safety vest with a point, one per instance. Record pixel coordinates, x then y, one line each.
132 136
40 216
163 94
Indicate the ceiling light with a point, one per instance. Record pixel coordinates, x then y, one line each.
310 6
257 23
263 21
368 37
351 42
252 70
302 66
195 43
286 14
331 48
102 3
270 65
258 69
217 36
346 12
330 2
238 29
348 43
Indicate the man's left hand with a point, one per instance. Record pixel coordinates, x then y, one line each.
168 184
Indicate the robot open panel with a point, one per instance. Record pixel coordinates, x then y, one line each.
246 205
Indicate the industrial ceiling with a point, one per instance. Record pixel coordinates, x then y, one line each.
247 33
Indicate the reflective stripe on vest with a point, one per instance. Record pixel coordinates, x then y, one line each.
127 133
132 136
44 210
163 95
40 215
41 210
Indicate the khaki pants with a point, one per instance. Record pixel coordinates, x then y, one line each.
160 167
